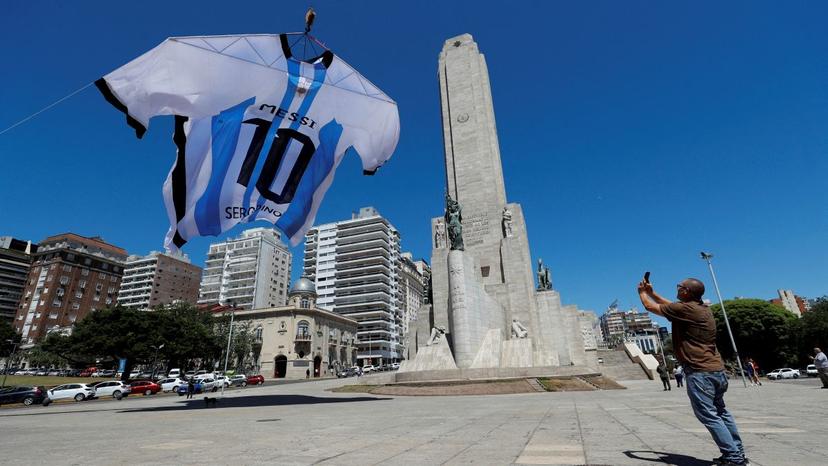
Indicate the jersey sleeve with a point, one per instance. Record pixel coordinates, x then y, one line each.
179 78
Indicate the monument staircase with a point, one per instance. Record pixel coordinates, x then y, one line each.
618 366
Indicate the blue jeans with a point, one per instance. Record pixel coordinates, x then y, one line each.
706 391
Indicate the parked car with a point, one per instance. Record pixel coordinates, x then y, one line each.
204 375
88 372
68 391
347 372
147 387
368 368
174 373
257 379
209 384
114 388
784 373
26 395
42 372
395 366
222 380
238 380
811 370
197 388
171 384
53 373
189 374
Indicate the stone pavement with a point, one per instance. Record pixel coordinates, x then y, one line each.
781 422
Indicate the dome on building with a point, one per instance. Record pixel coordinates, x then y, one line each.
303 285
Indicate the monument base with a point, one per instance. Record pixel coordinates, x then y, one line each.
490 373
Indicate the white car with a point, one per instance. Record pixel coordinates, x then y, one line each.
208 384
171 384
68 391
784 373
174 373
811 370
239 380
114 388
395 366
222 380
368 368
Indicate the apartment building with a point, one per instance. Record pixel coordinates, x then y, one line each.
15 261
251 271
358 271
71 276
157 279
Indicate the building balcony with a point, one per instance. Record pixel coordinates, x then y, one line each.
302 337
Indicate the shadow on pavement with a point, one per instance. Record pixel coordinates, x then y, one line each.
666 458
249 401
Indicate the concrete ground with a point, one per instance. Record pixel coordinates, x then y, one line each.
781 423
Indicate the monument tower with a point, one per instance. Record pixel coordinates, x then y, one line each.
485 299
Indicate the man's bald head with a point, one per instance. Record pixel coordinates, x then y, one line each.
691 289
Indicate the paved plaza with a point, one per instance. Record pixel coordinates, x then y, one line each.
302 423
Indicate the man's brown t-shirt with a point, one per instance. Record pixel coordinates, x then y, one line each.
694 335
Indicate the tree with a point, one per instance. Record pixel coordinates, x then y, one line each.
811 331
38 356
762 331
187 333
7 333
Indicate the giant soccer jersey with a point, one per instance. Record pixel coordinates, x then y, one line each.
259 133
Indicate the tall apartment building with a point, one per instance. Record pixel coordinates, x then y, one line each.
15 261
250 272
616 324
71 276
357 268
157 279
793 303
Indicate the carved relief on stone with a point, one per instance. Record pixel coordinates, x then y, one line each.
436 334
440 234
507 222
519 330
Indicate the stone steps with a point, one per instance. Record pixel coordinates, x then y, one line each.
536 385
618 366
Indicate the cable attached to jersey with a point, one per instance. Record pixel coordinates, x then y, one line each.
24 120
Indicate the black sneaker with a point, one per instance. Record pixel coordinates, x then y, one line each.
723 462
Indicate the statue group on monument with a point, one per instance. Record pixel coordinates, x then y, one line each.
454 224
544 278
439 234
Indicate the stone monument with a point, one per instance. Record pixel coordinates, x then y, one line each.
486 306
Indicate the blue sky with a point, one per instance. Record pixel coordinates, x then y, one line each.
634 134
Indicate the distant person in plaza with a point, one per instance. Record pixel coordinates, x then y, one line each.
694 342
664 374
821 363
678 373
307 373
750 368
190 388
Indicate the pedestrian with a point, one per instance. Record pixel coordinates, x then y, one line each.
755 368
190 388
307 373
750 371
678 373
694 342
821 363
664 374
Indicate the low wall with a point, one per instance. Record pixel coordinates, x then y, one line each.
492 373
647 361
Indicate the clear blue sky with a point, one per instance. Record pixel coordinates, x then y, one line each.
634 134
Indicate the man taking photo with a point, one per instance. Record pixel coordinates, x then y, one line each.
694 343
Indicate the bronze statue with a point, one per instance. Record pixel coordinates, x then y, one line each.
454 223
544 278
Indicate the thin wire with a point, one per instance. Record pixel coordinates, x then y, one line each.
44 109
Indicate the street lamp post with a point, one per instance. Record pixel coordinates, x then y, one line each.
9 360
227 354
706 257
155 359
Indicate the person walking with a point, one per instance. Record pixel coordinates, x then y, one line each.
664 374
748 367
755 368
694 342
678 373
821 363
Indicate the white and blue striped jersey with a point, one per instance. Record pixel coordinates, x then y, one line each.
259 133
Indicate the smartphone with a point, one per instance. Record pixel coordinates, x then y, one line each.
646 277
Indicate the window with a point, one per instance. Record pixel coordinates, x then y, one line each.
98 287
85 272
102 276
111 290
305 303
97 297
70 257
105 266
53 315
108 301
57 303
67 268
259 331
60 292
64 280
75 306
87 261
82 284
113 279
49 278
52 267
303 328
